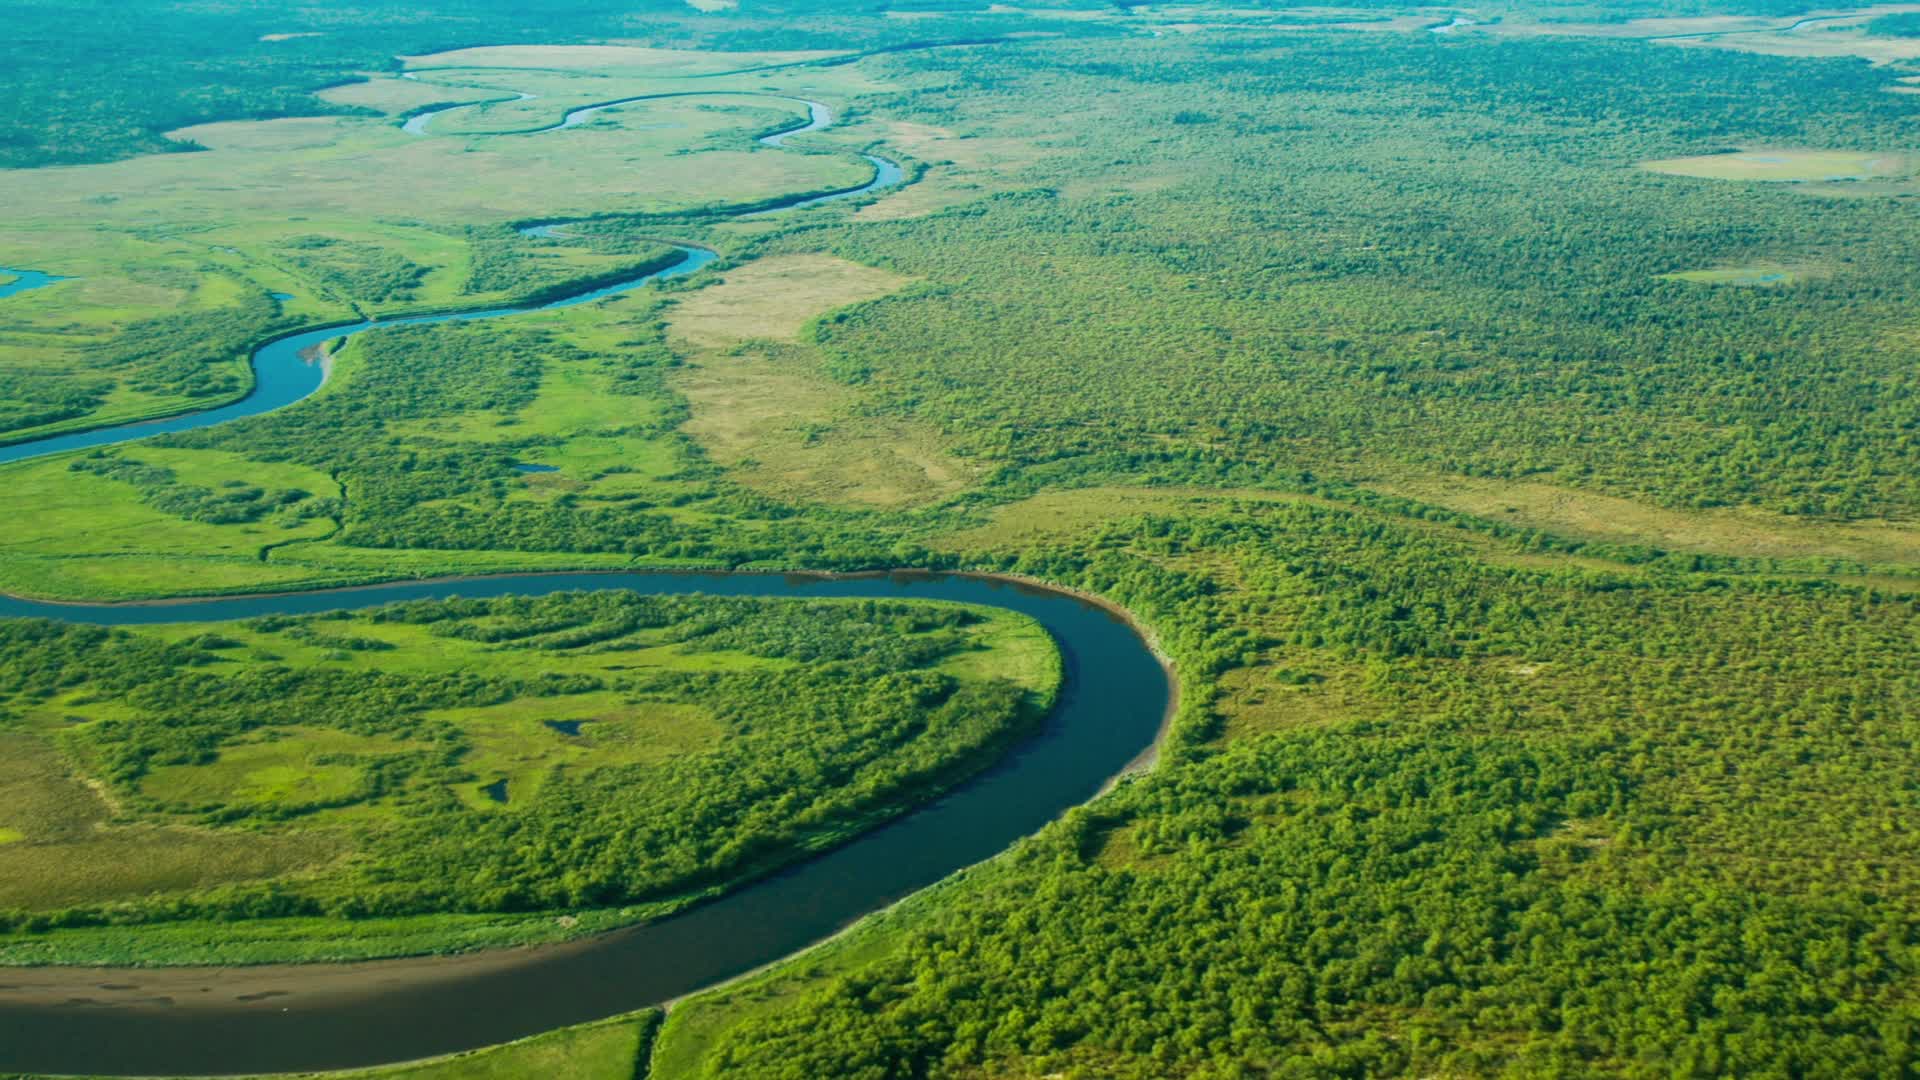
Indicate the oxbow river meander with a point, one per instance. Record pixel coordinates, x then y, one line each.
1113 703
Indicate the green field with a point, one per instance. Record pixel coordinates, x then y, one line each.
200 771
1512 454
1793 166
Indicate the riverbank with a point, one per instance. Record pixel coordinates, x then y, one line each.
197 1020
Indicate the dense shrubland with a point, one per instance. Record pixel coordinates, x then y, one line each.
1562 822
791 724
1447 795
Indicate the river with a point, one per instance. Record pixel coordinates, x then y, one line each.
285 1018
1114 700
282 375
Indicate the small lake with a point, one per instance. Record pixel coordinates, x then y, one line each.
25 280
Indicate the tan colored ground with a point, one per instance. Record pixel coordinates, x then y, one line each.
971 152
761 405
787 430
774 297
392 96
935 192
1792 165
1584 515
1840 32
626 59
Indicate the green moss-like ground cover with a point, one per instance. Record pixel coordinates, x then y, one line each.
276 773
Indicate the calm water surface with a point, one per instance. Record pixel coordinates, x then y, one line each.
1110 709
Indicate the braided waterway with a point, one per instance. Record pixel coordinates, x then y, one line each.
291 368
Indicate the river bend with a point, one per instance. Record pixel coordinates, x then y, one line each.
302 1017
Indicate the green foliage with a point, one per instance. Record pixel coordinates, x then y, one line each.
361 272
1574 822
713 738
234 502
1905 24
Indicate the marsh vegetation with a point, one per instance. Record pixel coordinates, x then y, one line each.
1508 433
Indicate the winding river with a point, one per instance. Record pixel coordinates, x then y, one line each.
284 374
284 1018
1113 702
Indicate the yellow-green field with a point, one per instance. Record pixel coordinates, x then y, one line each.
1758 274
1794 166
302 205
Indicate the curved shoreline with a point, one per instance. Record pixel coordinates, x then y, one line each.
188 1020
26 280
279 381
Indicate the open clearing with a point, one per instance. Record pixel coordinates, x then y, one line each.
1588 516
774 297
1793 166
611 59
762 406
1750 276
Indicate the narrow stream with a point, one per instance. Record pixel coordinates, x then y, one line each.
283 371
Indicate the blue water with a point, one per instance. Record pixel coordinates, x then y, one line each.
281 376
24 280
1110 707
530 467
417 123
885 175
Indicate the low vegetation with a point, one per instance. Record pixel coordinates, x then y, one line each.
1539 568
478 760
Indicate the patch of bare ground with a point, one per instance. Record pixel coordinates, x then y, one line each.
1585 515
761 406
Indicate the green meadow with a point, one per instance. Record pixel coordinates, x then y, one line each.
261 776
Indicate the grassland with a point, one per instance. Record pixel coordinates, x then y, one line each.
1545 624
1750 276
355 217
1791 166
513 708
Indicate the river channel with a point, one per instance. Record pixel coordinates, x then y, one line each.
298 1017
284 370
101 1021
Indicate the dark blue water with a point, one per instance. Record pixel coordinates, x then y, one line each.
25 279
530 467
1110 707
282 376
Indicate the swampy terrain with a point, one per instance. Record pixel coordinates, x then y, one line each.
456 456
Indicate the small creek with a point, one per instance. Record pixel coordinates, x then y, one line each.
283 372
